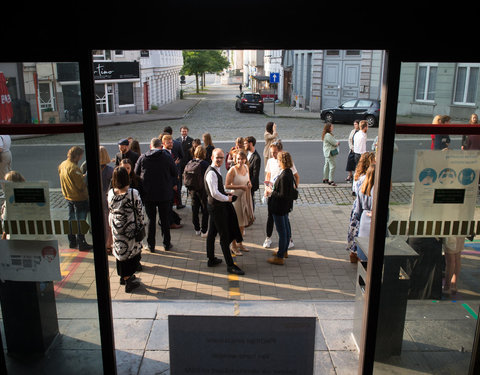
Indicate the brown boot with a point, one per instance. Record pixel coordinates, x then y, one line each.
353 257
276 260
274 253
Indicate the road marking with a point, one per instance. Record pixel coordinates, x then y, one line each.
470 311
75 258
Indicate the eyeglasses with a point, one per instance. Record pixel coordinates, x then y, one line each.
219 157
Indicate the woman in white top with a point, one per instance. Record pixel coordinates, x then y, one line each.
272 171
360 140
350 168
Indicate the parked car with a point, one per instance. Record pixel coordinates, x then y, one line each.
249 101
356 109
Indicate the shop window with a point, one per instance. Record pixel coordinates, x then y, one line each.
125 94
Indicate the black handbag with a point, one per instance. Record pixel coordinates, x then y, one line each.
295 191
139 233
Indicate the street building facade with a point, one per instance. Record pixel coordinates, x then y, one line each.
429 89
328 78
160 71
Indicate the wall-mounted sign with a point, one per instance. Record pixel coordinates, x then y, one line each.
241 345
108 70
25 260
446 185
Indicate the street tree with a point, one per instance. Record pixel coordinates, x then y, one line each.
200 62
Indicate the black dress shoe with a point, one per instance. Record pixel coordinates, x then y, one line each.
180 206
167 247
122 280
84 246
214 262
235 269
130 284
152 249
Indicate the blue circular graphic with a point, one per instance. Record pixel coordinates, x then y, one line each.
447 176
466 176
428 176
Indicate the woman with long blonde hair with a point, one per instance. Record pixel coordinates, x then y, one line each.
366 160
363 210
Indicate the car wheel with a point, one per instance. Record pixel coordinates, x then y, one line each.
236 108
372 121
329 118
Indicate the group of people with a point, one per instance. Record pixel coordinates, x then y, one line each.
362 175
142 184
357 144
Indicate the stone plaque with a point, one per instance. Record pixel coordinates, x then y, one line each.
241 345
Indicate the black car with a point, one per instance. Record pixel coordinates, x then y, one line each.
248 101
356 109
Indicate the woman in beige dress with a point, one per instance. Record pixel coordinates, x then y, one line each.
238 179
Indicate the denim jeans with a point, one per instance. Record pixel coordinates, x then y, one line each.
284 233
77 211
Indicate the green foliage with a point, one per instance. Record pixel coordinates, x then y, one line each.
203 61
199 62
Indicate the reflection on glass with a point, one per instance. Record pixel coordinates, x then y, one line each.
434 213
48 298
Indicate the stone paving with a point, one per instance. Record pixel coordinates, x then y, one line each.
317 267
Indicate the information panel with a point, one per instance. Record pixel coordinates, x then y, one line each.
27 260
445 185
241 345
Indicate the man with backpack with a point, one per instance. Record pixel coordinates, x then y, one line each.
193 175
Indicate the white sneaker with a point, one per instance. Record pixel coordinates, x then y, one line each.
203 235
197 232
267 243
291 244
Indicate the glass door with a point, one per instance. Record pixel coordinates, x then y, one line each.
48 293
428 282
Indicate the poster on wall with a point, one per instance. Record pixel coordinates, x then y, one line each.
445 185
24 260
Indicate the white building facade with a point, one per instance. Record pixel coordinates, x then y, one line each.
160 77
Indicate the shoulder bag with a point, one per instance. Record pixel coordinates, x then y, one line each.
139 233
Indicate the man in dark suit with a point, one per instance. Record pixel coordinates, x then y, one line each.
158 171
177 153
186 143
254 161
125 152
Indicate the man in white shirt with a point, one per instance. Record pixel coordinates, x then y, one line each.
222 216
360 141
5 155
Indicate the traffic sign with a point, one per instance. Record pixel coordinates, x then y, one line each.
274 77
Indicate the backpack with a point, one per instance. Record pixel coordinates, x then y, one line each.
193 176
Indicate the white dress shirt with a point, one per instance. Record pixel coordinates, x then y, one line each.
212 182
360 142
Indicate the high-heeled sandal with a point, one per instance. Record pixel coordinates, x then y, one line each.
243 248
235 251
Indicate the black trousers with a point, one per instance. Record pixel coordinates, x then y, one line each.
199 201
218 223
269 221
163 208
